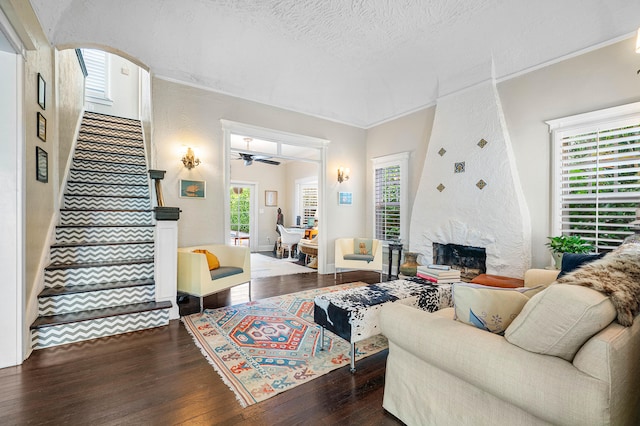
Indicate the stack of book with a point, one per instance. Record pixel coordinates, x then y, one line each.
439 274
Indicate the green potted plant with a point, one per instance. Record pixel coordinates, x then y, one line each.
567 244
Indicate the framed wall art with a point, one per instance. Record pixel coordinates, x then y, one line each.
345 198
270 198
42 165
42 127
42 91
192 189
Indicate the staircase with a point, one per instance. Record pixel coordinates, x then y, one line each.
100 279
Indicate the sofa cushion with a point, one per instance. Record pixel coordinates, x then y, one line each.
489 308
212 259
560 319
365 257
362 246
225 271
572 261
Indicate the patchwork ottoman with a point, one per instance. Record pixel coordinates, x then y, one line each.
353 314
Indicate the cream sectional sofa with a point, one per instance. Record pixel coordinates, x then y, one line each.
443 372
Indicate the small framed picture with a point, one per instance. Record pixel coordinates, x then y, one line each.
42 91
345 198
270 198
42 165
192 189
42 127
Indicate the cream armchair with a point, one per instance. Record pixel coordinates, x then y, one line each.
346 258
195 278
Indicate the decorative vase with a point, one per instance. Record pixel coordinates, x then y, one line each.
410 265
557 258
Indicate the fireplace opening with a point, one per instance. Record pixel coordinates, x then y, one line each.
471 261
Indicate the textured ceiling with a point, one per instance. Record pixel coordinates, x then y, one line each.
359 62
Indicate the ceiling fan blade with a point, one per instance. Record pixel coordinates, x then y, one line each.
266 161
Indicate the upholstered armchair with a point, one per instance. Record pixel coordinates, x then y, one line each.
367 256
289 239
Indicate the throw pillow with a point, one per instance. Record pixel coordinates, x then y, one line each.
489 308
572 261
212 259
616 275
560 319
362 245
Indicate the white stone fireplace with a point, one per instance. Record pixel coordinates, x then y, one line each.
470 192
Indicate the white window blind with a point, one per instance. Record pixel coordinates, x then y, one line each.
309 198
597 180
390 197
97 81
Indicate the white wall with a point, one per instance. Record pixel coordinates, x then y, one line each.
124 85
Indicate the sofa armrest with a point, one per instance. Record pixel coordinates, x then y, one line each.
542 385
536 277
193 270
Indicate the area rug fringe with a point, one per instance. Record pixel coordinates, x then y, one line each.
210 360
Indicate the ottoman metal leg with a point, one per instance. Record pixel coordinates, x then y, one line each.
321 338
353 358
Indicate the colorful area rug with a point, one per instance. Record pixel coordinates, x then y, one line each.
265 347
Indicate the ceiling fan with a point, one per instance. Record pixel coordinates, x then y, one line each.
250 158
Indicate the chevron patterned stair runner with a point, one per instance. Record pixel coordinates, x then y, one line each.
100 279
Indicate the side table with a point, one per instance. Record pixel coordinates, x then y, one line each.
394 247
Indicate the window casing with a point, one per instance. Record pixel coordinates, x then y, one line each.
390 205
596 182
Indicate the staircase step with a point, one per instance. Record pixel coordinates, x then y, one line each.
66 254
76 188
91 137
75 327
103 296
94 122
110 118
109 157
99 166
106 131
99 272
93 234
110 148
87 176
105 217
72 289
103 203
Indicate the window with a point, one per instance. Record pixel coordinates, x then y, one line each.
97 81
597 175
390 197
309 203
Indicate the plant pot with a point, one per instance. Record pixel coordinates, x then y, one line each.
410 265
557 258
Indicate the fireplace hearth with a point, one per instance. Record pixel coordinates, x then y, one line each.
471 261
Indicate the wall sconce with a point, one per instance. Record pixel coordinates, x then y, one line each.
343 174
189 160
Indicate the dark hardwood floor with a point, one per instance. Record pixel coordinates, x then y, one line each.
159 377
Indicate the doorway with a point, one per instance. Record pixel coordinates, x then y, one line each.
242 225
276 149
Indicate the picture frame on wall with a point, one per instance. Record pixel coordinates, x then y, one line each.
193 189
42 91
42 165
270 198
345 198
42 127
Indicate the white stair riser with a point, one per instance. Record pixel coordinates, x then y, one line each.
84 254
89 218
109 234
98 274
47 337
77 302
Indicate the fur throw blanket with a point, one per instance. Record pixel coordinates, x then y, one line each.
616 275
